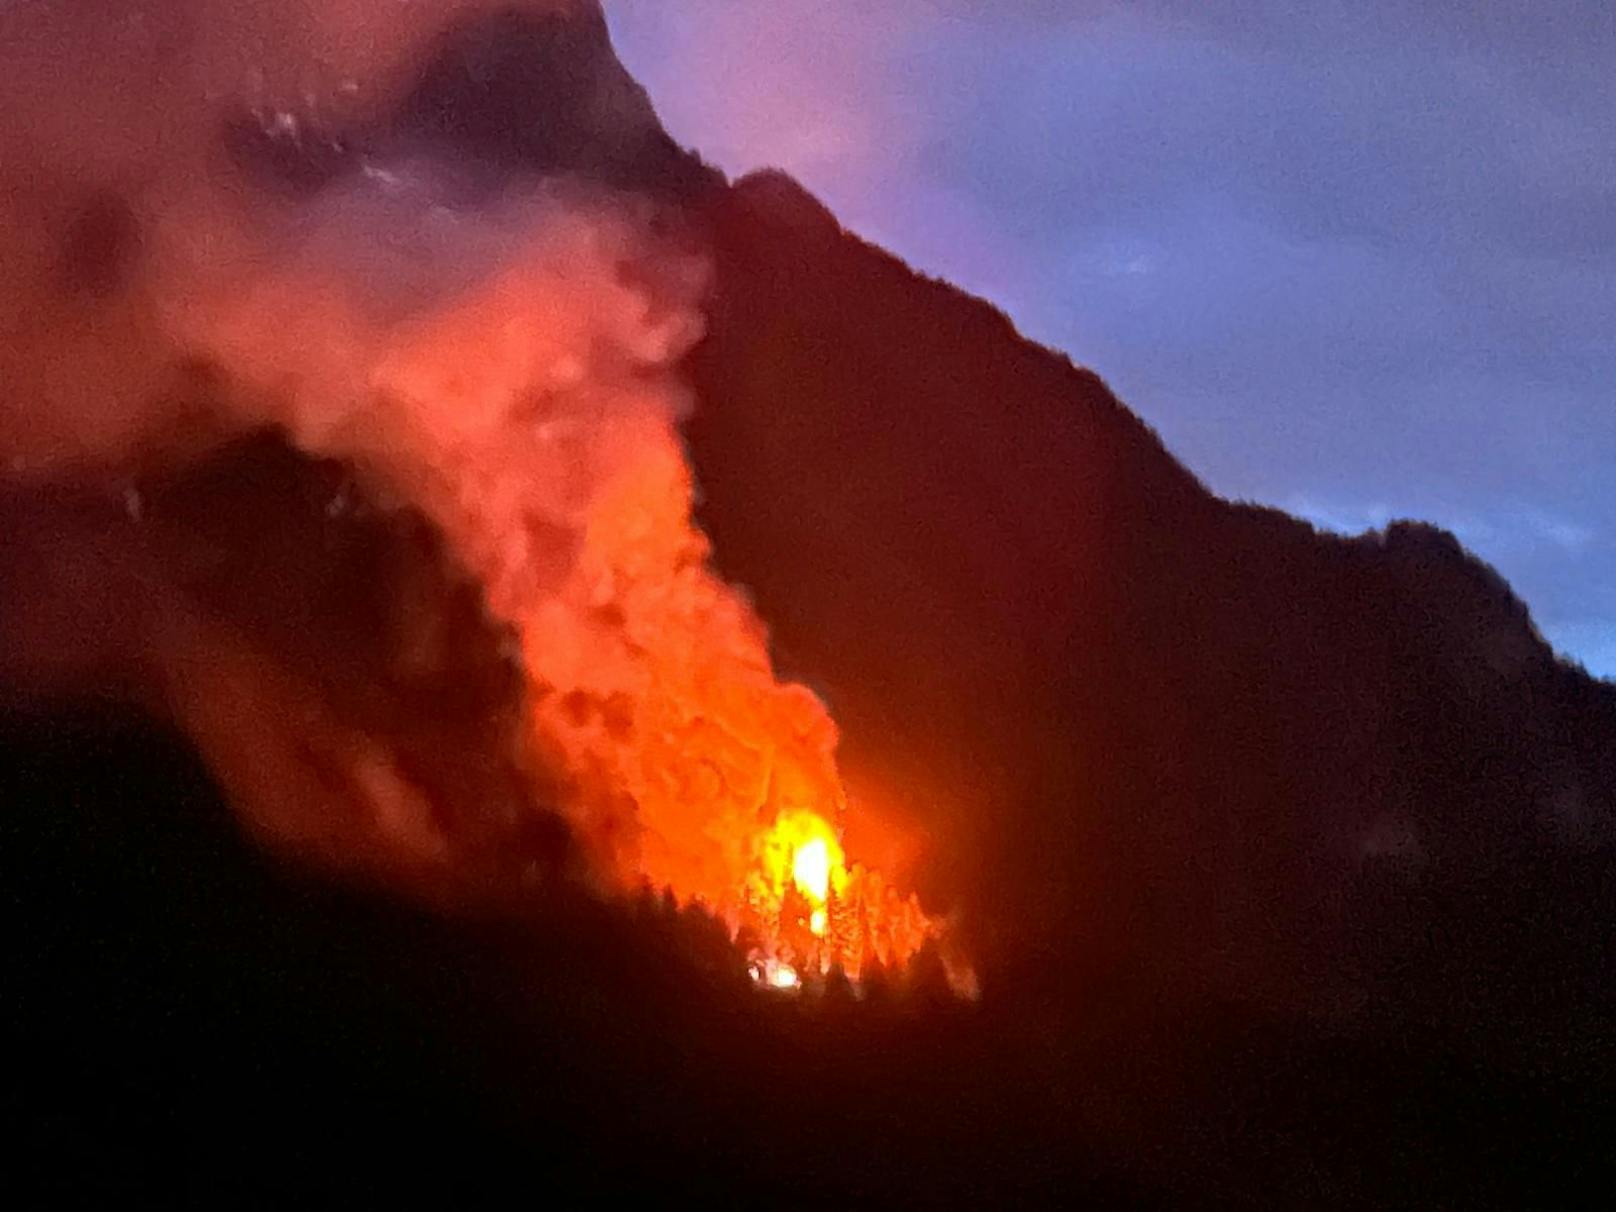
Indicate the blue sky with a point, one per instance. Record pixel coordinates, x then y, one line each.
1354 258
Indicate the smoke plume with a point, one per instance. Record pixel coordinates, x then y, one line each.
217 230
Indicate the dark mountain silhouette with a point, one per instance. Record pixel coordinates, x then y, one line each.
1145 724
1285 858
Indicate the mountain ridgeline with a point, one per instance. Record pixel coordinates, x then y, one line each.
1144 724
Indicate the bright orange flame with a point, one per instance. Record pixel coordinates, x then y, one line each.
811 907
804 845
802 850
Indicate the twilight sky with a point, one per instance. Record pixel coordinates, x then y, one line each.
1355 258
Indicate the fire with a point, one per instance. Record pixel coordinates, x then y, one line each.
714 779
802 852
533 414
684 762
810 870
505 364
772 974
815 910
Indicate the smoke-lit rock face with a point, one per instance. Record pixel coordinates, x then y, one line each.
353 421
504 93
541 94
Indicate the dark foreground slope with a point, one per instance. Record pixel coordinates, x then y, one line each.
188 1024
1285 858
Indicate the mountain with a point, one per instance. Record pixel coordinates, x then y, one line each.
1145 724
1284 859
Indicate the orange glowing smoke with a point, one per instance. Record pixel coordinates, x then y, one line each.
534 416
695 768
506 365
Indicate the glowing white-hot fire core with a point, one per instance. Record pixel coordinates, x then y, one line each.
810 868
772 974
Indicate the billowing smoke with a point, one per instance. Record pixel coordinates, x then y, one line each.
223 229
512 375
136 140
